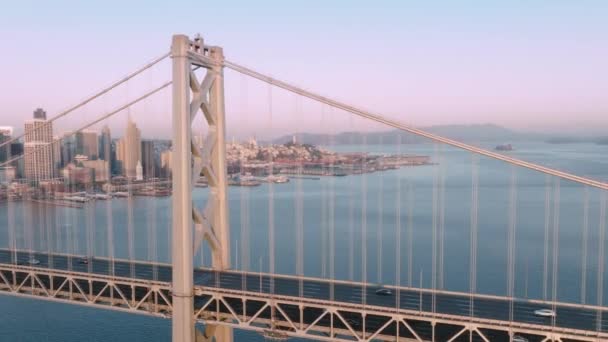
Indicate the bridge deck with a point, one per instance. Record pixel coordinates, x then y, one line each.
491 308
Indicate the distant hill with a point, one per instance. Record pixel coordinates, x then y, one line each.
602 141
476 133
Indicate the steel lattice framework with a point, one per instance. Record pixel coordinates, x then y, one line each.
275 316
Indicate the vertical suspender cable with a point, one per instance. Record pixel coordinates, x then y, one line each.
398 236
271 249
584 241
600 259
379 228
473 231
441 193
332 222
511 240
556 206
351 217
434 229
364 221
12 242
546 243
299 221
110 227
410 233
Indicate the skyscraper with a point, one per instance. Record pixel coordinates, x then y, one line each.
39 114
148 160
87 144
5 135
7 172
105 148
38 148
68 148
129 149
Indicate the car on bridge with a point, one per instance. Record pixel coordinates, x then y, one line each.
545 313
519 338
33 261
384 292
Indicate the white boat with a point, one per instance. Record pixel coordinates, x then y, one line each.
100 196
121 194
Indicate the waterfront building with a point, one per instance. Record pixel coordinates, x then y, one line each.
74 174
100 170
7 174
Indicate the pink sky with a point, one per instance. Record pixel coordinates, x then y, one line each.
532 66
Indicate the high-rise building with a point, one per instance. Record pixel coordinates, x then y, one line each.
139 171
68 148
57 153
165 163
38 148
87 144
129 149
19 164
7 172
39 114
6 134
148 159
105 149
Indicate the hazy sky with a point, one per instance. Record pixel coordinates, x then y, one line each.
520 63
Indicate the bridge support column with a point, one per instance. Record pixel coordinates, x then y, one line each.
183 284
221 333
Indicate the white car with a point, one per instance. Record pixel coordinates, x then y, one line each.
517 338
545 313
33 261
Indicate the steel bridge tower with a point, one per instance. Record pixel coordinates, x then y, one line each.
189 162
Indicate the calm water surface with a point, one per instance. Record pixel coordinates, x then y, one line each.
370 208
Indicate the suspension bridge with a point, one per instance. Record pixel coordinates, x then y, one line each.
335 305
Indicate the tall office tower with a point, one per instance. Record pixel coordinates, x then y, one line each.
6 133
105 149
129 149
56 148
165 163
148 159
68 148
38 148
87 144
19 164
